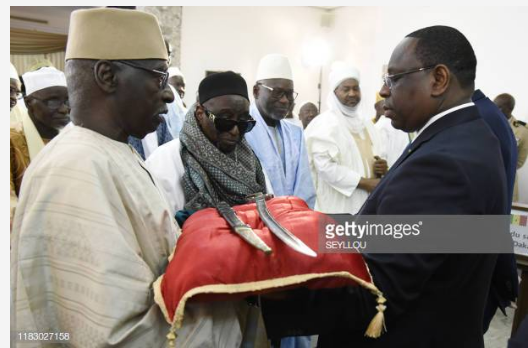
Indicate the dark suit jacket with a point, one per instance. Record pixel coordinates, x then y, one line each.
520 339
499 125
434 300
505 283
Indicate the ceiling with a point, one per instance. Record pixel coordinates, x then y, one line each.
52 19
55 19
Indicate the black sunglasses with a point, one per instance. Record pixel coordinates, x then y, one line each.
225 125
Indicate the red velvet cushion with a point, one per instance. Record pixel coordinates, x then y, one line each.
209 253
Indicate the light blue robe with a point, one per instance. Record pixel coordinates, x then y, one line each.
294 178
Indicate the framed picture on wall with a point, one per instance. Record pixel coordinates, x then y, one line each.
519 232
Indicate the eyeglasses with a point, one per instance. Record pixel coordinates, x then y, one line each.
390 80
225 125
278 93
15 92
163 75
54 103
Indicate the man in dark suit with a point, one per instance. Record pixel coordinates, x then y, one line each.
453 167
505 282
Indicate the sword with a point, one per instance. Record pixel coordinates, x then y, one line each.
282 233
240 228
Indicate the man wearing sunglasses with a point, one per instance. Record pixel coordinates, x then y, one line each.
279 145
211 161
48 112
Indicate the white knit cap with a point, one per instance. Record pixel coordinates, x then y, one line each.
43 78
342 72
13 74
274 66
174 71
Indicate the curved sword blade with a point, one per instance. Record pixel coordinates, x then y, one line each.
282 233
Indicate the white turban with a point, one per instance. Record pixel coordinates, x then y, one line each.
174 71
43 78
274 66
13 73
341 72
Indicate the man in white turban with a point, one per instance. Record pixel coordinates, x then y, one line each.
47 112
279 145
92 231
177 109
177 80
344 148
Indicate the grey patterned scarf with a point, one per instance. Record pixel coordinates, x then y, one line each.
212 176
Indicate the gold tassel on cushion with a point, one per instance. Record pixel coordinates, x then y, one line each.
171 337
377 325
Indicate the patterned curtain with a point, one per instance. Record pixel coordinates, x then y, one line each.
27 62
31 49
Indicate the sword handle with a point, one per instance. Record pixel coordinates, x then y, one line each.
240 228
229 215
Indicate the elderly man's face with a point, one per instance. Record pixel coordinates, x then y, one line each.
348 92
143 97
178 84
275 103
409 103
229 107
307 113
13 92
50 107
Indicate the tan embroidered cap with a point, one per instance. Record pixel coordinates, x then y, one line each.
113 34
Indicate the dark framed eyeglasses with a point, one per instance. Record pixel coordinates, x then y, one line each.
163 75
225 125
54 103
390 80
278 93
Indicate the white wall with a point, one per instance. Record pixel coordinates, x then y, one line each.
369 35
235 38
